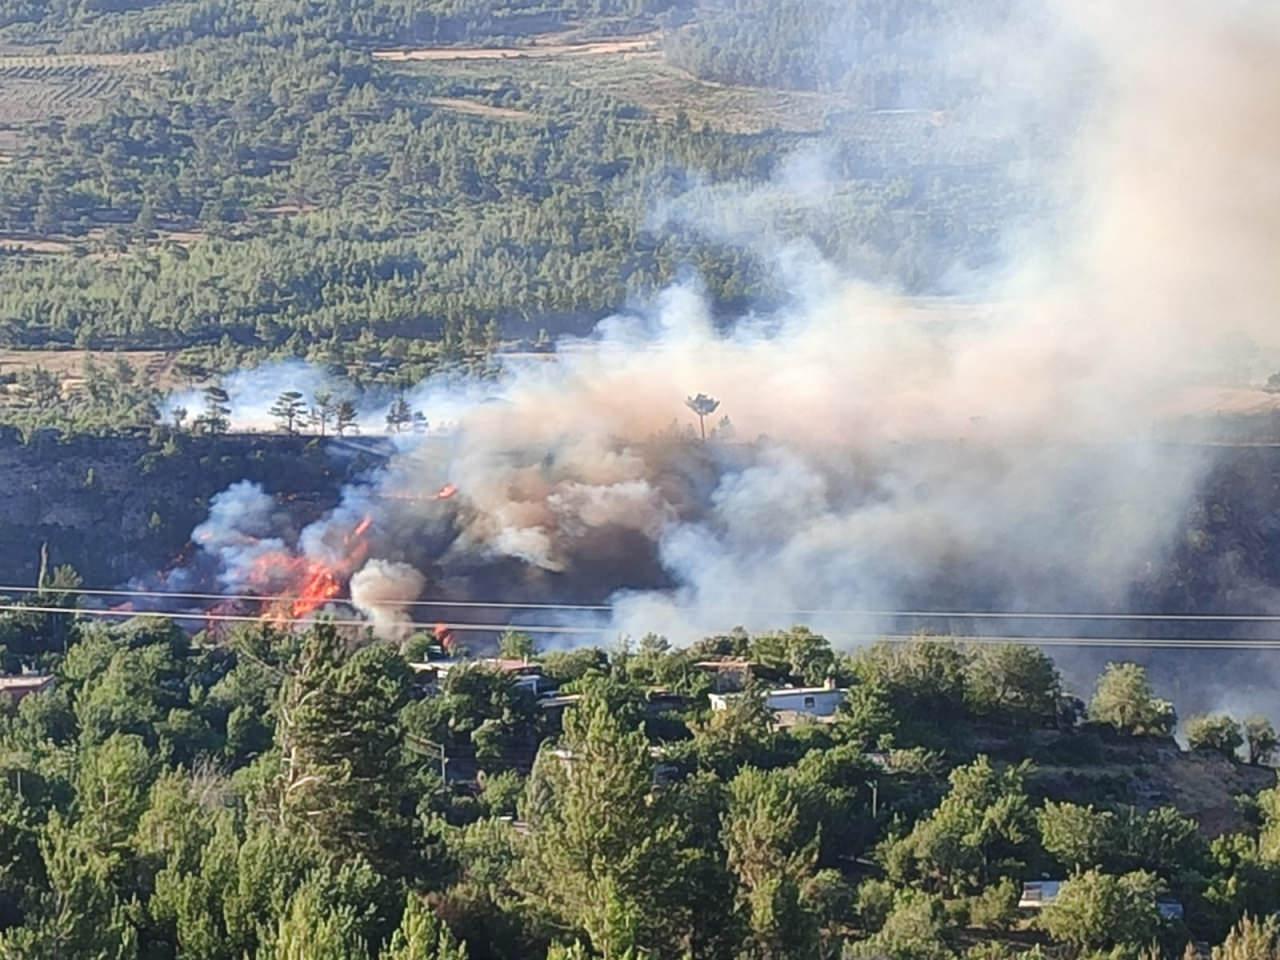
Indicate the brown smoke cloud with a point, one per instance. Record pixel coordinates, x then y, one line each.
888 453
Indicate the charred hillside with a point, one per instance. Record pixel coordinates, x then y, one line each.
118 507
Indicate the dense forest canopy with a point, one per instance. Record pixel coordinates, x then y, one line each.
267 184
224 182
260 794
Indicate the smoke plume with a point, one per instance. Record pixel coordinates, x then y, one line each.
380 589
882 453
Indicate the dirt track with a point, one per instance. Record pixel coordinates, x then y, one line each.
541 49
459 105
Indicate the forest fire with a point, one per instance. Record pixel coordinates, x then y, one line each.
305 584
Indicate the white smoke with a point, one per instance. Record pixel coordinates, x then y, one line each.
242 530
381 589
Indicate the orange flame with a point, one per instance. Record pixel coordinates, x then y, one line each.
308 584
444 637
447 491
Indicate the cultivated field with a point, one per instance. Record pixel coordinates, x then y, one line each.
38 87
631 69
156 366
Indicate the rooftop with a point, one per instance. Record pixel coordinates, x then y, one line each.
1039 892
489 663
25 683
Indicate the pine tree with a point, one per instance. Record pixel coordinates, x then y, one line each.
602 858
344 418
702 406
771 858
214 420
422 936
322 411
289 410
399 416
340 741
310 930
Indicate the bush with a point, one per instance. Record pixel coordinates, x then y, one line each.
1124 700
873 903
913 930
1217 733
1096 911
1251 939
996 908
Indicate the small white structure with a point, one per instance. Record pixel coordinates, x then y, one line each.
429 676
1036 894
15 688
809 701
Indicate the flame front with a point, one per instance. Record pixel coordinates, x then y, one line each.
298 586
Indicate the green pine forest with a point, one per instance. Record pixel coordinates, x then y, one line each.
257 794
221 183
255 184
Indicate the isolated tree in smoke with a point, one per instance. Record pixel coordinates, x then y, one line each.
1218 733
216 411
289 409
399 416
1124 700
515 645
1260 735
322 411
703 407
344 418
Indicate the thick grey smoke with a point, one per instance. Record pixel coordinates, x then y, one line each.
381 589
884 453
243 531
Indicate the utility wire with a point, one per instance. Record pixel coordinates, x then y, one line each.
606 608
1206 643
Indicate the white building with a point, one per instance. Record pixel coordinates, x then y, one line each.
807 701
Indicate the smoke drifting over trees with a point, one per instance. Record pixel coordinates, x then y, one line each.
1008 458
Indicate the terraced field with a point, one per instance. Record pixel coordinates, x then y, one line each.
39 87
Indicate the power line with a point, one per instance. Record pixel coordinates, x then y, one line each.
217 617
286 598
1189 643
608 608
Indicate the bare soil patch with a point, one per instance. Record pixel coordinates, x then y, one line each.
112 61
37 245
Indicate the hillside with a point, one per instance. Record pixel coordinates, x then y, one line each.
433 179
122 507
